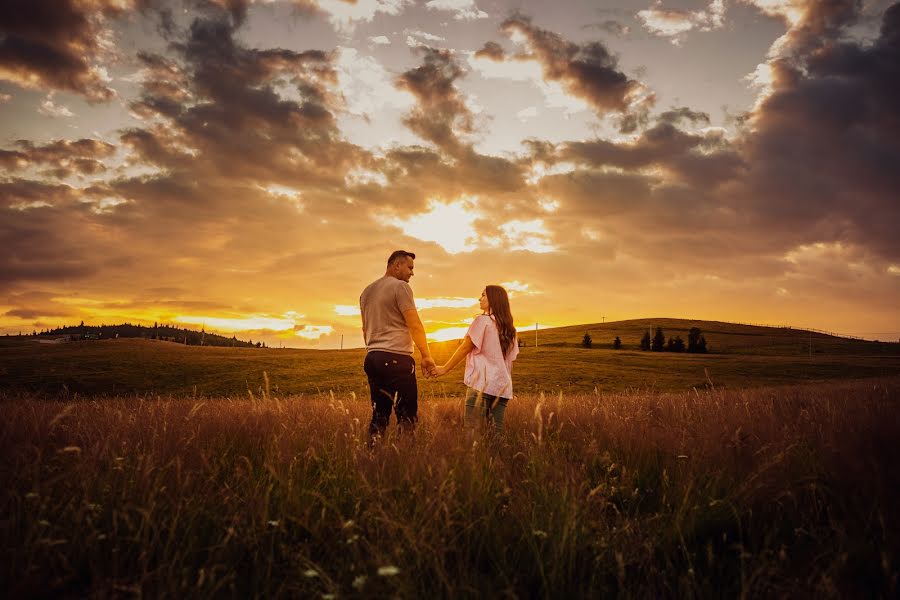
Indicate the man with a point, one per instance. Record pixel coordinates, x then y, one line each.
391 325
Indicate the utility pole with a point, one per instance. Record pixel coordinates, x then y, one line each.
604 319
342 341
535 335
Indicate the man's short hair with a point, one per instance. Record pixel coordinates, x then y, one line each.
398 254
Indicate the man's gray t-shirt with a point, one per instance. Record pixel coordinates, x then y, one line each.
382 304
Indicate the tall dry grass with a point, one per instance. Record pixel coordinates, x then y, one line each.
772 492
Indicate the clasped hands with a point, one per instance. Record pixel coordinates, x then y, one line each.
431 369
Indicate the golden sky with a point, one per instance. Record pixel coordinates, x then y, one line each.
248 166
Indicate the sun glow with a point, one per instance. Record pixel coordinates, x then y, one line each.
447 333
239 324
448 224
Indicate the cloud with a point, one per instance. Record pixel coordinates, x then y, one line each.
588 71
822 143
83 156
527 113
50 109
236 187
58 45
463 10
441 114
345 15
367 87
675 23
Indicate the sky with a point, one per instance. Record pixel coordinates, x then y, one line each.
248 166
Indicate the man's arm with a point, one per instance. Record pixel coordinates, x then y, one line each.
417 331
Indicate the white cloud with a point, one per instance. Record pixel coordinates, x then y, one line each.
674 23
517 288
49 109
366 85
789 10
463 10
5 97
380 40
344 16
527 113
347 310
313 332
414 39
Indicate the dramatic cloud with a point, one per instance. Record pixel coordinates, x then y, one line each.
58 44
588 71
256 175
821 144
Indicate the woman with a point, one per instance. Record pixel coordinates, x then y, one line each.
489 348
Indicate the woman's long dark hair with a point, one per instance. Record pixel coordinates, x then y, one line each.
498 306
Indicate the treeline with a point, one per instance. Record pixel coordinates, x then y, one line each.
180 335
658 342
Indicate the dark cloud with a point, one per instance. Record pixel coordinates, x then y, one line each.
64 157
684 113
701 159
55 44
588 71
491 50
442 118
824 144
30 313
821 22
241 113
441 113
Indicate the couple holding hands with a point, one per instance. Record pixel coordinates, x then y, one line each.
391 326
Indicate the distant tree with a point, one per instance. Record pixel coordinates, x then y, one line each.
701 345
617 343
587 341
675 344
659 340
645 341
259 344
694 339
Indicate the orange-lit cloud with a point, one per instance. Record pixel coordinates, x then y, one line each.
227 191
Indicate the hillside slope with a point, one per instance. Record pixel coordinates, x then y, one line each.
742 357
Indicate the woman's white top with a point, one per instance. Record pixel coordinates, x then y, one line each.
487 370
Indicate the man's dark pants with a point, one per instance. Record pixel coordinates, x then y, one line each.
392 385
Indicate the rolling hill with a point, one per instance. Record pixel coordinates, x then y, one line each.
740 356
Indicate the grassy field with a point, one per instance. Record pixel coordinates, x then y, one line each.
743 356
146 468
769 492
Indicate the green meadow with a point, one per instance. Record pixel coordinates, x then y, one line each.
740 356
137 468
